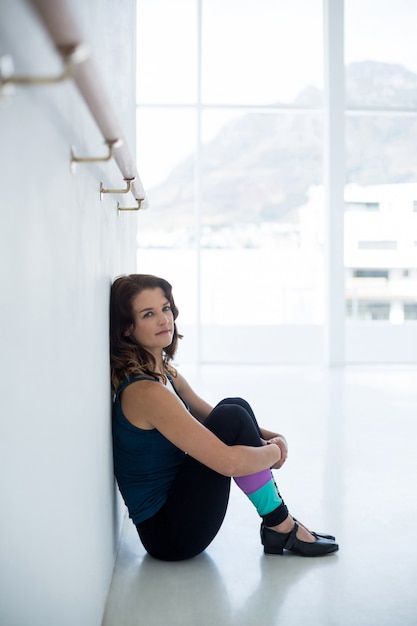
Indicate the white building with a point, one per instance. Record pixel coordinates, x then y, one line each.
381 252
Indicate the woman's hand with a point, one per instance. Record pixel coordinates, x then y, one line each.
281 442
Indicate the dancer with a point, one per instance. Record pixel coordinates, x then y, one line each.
174 454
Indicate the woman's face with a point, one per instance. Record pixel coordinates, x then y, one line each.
153 326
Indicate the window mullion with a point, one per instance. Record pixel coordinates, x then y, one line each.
198 183
334 177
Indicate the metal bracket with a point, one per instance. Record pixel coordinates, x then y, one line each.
128 182
71 56
112 144
140 201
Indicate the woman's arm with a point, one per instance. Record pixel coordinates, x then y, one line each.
198 407
149 404
201 409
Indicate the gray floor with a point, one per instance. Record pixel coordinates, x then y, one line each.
352 470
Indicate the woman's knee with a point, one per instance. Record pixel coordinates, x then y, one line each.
233 424
237 402
244 405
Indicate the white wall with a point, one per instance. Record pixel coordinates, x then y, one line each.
59 249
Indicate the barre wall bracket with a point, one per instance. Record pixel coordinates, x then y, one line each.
128 182
140 201
71 55
112 144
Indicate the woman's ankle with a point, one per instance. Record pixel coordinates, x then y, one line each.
288 524
284 527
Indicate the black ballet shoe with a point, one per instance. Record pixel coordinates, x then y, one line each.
275 543
322 535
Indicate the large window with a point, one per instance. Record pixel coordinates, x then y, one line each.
230 123
381 163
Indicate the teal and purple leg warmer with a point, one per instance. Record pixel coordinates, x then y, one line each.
262 491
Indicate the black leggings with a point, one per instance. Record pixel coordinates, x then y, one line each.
198 497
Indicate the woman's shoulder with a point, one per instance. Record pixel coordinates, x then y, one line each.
134 382
129 379
138 382
140 400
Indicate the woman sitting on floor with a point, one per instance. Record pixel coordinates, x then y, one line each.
174 454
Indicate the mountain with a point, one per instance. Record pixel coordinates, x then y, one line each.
260 165
385 85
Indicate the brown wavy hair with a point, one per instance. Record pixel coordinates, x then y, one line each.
127 357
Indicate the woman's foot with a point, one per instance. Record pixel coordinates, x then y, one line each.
316 534
302 533
290 536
